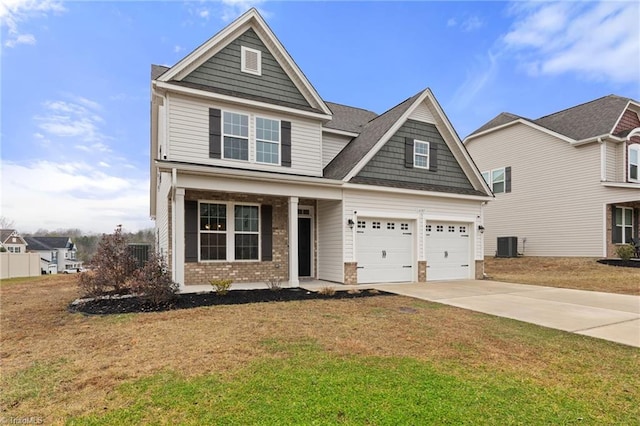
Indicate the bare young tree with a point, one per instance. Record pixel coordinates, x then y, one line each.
6 223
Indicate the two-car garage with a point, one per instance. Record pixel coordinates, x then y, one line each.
386 248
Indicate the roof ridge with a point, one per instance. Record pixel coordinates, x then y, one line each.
349 106
580 105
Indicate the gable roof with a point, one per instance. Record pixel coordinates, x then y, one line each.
345 161
347 118
249 20
47 243
578 123
6 233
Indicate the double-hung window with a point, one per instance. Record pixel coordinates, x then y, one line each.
267 141
634 162
229 238
421 154
623 230
235 132
497 181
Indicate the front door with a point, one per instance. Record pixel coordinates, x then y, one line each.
304 246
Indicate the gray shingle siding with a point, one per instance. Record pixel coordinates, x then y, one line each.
388 163
223 71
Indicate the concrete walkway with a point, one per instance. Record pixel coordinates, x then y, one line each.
608 316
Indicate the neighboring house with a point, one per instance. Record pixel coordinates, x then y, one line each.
56 253
255 177
566 184
12 242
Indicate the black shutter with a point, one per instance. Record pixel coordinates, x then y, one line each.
507 179
433 157
215 133
190 231
408 153
616 233
285 128
266 228
636 218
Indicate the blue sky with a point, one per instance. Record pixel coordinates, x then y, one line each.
75 79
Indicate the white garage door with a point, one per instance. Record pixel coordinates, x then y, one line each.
448 250
384 250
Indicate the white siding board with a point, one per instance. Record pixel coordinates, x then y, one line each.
330 260
188 129
331 146
423 113
557 199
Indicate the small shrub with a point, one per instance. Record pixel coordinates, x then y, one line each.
222 286
625 252
114 267
327 291
153 281
274 284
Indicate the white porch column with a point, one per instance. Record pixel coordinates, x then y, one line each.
178 243
293 242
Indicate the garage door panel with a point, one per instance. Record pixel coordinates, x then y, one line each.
384 250
447 251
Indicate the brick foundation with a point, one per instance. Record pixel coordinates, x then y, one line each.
350 273
422 271
479 270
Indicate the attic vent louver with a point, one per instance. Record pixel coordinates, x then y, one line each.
251 60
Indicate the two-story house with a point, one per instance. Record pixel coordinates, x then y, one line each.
12 242
57 254
565 184
255 177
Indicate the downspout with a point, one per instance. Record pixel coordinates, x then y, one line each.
603 159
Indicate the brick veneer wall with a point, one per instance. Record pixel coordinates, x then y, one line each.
422 271
245 271
350 273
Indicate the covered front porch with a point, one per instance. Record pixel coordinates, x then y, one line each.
622 225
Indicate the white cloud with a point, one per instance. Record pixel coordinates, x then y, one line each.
178 49
79 119
597 40
469 24
483 73
46 195
231 9
452 22
13 13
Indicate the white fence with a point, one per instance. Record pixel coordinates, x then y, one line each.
13 265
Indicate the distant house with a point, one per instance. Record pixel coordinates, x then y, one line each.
12 242
565 184
56 253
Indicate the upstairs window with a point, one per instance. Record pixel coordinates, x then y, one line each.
267 141
251 60
499 180
236 136
634 161
421 154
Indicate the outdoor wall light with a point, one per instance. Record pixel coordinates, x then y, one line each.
481 228
350 223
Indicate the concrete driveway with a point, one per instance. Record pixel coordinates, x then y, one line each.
608 316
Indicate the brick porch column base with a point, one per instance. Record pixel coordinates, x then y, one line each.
350 273
422 271
479 269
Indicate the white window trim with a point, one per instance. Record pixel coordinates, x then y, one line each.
416 154
625 225
248 160
255 145
231 232
490 182
243 66
633 147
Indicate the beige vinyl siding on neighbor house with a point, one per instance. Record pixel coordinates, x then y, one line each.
423 113
557 201
391 204
330 229
188 136
331 145
162 213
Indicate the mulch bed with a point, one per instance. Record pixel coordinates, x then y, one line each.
132 304
619 262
